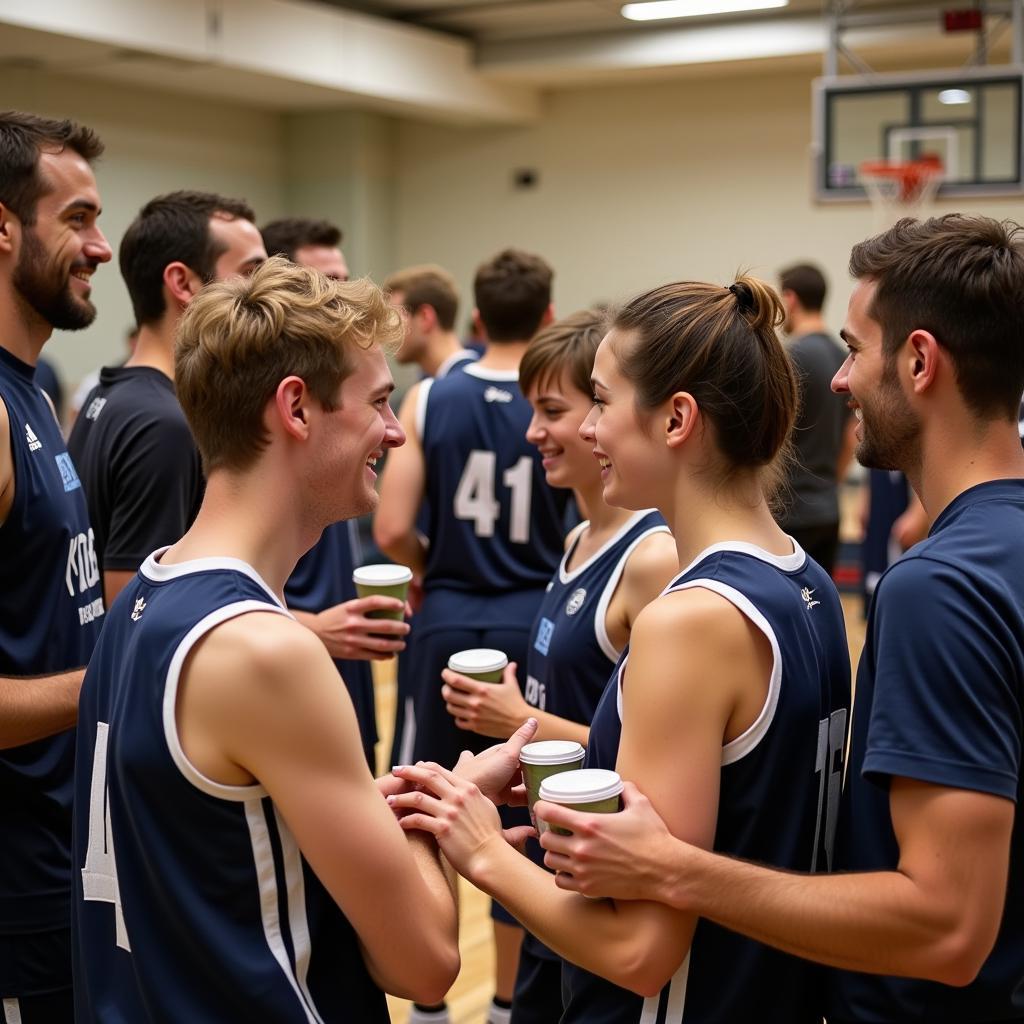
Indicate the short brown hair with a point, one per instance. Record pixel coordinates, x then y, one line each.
719 344
566 346
238 339
22 138
960 278
512 291
427 285
807 283
285 236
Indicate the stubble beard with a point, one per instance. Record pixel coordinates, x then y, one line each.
43 290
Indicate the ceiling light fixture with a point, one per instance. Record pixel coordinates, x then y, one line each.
954 97
654 10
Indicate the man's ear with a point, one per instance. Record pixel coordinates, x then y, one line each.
681 418
10 230
922 358
181 282
290 407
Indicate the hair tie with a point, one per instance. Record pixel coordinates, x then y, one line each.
744 296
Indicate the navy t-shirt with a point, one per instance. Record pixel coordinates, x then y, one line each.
940 699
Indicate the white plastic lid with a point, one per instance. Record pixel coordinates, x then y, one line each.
552 752
588 785
478 659
383 575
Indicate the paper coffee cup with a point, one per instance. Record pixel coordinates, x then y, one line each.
543 759
479 663
594 790
386 580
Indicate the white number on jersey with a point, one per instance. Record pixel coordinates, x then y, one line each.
475 501
829 766
99 876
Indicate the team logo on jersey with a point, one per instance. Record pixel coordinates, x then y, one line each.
575 603
808 599
95 408
493 394
34 444
545 630
68 475
140 607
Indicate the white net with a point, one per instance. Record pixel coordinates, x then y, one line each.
901 188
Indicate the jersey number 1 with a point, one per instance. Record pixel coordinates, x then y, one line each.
829 767
99 876
475 501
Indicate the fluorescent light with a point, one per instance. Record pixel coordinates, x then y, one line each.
652 10
954 97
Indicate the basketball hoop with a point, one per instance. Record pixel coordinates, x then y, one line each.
902 188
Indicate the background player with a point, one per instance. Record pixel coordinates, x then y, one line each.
616 562
930 843
139 465
51 600
206 703
320 592
731 679
496 527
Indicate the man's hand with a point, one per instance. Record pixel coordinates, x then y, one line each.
347 633
496 770
464 822
490 709
628 855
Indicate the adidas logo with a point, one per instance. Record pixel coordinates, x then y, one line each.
34 444
493 394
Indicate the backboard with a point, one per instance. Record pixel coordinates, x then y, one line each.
970 118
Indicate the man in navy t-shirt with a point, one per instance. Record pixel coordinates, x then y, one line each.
51 602
926 922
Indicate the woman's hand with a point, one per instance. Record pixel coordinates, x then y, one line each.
490 709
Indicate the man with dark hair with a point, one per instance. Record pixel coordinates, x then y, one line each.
820 436
496 527
308 242
320 592
926 920
140 468
51 603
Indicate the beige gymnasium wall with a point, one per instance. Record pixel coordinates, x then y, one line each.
155 142
638 184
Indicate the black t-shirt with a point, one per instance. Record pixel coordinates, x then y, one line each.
818 434
139 466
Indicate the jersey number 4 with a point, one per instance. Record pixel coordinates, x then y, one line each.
475 501
99 876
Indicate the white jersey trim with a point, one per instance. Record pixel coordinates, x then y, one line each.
173 740
156 572
787 563
421 406
601 615
748 740
565 575
263 860
486 373
467 355
676 1005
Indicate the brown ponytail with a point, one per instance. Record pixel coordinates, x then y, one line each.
719 344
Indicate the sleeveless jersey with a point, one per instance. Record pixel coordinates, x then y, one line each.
497 525
192 900
51 609
321 579
780 784
570 652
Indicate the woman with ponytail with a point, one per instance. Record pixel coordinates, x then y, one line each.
728 708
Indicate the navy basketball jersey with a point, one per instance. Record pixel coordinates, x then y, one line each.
780 784
51 609
192 901
497 524
571 654
322 579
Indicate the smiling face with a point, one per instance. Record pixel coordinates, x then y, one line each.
888 431
356 434
558 411
60 252
633 464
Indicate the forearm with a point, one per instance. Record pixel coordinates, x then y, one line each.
442 891
34 708
879 922
551 727
405 549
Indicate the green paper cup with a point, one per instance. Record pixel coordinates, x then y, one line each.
594 790
386 580
543 759
480 663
